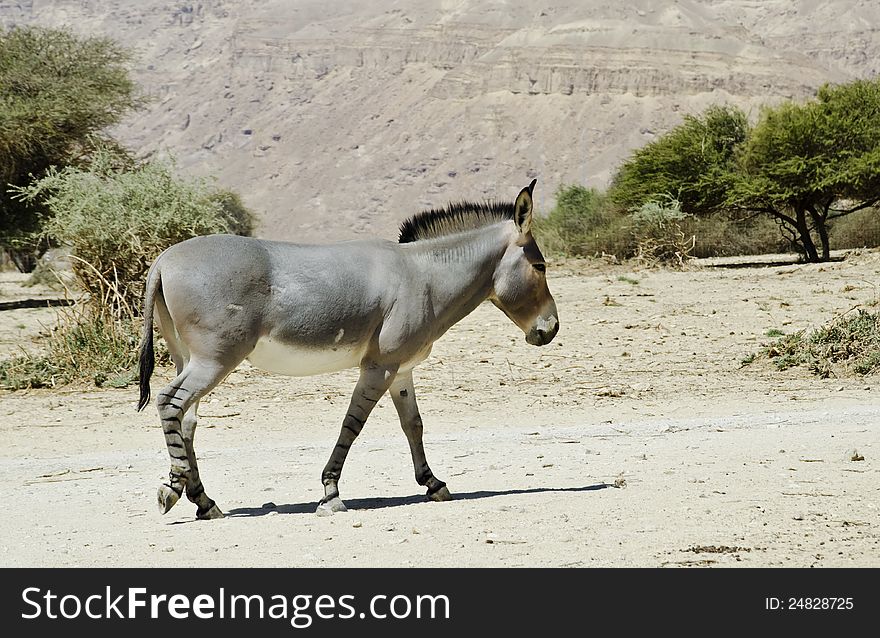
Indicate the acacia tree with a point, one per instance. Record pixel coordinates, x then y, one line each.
692 164
808 164
56 92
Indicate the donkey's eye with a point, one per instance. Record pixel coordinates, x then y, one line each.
540 267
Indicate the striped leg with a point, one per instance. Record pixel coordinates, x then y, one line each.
404 396
371 385
195 491
177 404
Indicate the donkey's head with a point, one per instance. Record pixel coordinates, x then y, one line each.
520 282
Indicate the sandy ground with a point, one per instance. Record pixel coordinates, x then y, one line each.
635 439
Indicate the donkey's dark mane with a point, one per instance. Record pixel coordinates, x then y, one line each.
454 218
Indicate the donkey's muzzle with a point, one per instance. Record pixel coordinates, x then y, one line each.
543 331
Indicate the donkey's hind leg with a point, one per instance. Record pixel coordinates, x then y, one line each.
404 396
177 404
195 491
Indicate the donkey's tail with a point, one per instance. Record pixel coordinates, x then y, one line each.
147 355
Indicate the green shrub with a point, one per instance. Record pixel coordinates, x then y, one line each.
586 223
583 224
117 217
239 219
849 343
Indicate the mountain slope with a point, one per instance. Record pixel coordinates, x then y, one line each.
335 118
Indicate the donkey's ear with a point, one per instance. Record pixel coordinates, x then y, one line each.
522 209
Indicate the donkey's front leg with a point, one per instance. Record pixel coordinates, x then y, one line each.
371 385
404 396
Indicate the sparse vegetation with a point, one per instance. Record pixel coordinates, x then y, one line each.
116 218
45 275
583 224
848 344
608 301
79 348
858 230
62 183
658 234
719 235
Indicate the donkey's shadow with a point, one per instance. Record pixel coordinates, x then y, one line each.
382 502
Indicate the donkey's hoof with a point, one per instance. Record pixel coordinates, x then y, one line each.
441 495
326 508
210 513
167 498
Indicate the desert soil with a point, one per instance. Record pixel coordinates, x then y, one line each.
635 439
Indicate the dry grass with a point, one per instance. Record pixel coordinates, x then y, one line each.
849 344
93 341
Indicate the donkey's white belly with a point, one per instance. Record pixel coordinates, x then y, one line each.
282 358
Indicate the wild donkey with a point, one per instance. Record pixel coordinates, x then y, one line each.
300 310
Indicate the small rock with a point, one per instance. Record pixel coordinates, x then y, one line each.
357 524
798 517
855 456
168 549
269 506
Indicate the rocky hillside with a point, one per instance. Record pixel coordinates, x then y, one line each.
335 118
